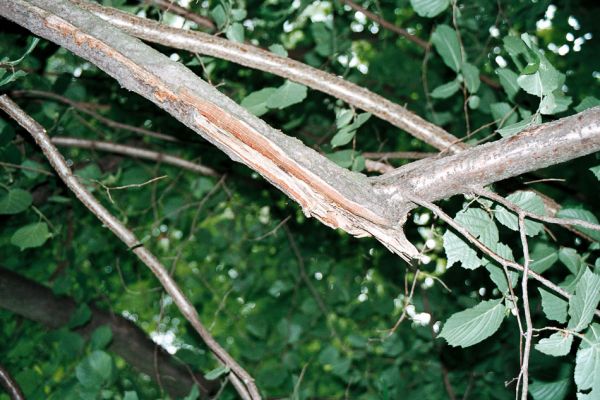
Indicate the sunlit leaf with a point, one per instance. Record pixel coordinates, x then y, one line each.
473 325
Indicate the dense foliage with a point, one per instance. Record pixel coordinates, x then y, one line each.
307 310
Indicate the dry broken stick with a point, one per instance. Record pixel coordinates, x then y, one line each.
243 382
136 152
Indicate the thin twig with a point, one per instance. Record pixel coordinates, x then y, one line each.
136 152
106 121
240 378
171 6
10 385
529 325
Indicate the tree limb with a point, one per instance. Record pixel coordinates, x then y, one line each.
247 388
136 152
38 303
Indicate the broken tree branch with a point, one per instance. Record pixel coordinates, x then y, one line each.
136 152
238 374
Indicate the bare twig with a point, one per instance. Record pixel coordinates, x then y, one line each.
173 7
239 375
84 109
524 373
10 385
551 220
136 152
404 155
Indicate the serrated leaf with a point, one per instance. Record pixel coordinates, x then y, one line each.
471 75
217 372
429 8
508 80
584 215
583 303
587 102
554 307
473 325
256 102
498 276
480 224
446 43
287 94
503 114
557 390
542 257
459 251
446 90
29 236
528 201
587 361
570 259
558 344
14 201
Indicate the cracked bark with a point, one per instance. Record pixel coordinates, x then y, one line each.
339 198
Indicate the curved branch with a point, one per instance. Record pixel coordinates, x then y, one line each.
38 303
254 57
10 385
126 236
136 152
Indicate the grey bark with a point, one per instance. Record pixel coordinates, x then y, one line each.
36 302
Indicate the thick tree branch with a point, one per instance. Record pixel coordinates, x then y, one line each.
136 152
243 382
254 57
10 385
37 302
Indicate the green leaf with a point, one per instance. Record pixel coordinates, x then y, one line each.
554 103
256 102
14 201
95 370
528 201
32 43
596 171
471 75
429 8
446 43
278 49
458 250
101 337
514 46
130 395
217 372
474 102
543 256
498 276
558 344
343 118
80 316
13 76
584 215
543 82
557 390
555 308
508 80
587 362
219 15
587 102
343 158
503 114
235 32
287 94
584 302
473 325
32 235
515 128
194 394
446 90
238 14
570 259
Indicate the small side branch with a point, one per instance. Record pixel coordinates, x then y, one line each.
10 385
243 382
136 152
524 373
173 7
